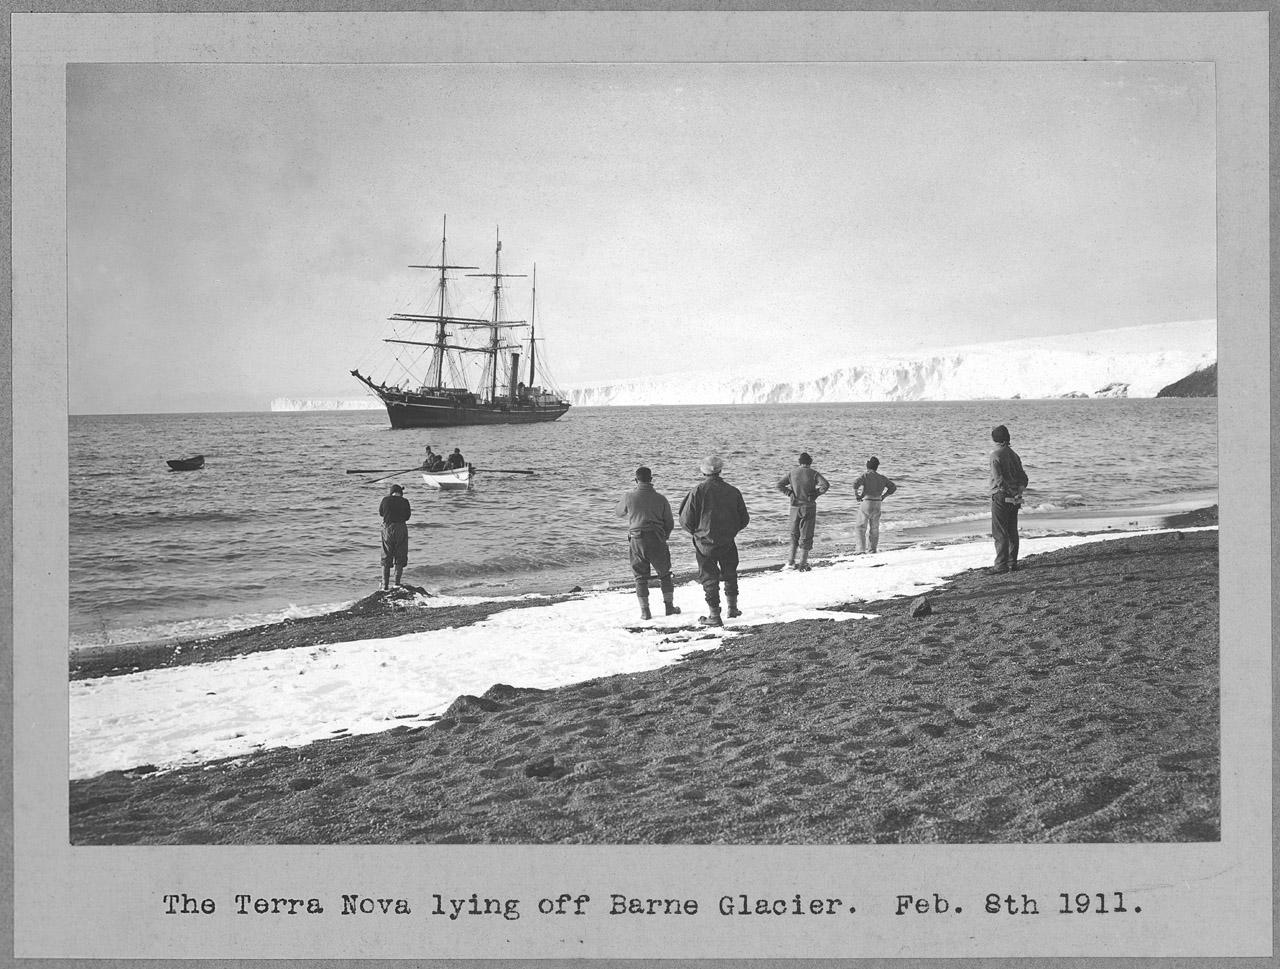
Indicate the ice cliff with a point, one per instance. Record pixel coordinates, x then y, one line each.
325 403
1132 361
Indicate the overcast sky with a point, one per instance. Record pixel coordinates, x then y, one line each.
240 232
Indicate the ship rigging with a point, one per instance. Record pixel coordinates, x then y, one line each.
459 384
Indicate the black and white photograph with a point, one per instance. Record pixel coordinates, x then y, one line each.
634 449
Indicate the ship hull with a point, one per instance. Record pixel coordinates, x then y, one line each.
407 412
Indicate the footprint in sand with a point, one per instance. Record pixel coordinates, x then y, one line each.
1093 798
999 758
996 810
1186 760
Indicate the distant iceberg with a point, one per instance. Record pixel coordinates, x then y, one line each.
1134 361
325 403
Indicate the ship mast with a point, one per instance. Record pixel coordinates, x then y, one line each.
440 319
533 312
497 323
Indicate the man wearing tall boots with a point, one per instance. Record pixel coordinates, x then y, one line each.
649 522
714 512
1008 481
395 512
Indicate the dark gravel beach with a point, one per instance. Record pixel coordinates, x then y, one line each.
1075 700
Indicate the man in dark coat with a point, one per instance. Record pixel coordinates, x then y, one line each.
803 484
456 460
433 461
649 523
714 513
1008 481
395 512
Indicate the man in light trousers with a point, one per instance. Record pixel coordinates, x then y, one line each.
871 488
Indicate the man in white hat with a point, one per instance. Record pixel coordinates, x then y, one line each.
714 512
395 513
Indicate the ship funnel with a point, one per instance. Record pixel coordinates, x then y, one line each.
514 375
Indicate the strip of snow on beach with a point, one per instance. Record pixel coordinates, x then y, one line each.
291 697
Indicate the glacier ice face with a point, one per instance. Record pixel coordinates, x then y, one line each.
1135 361
1129 362
325 403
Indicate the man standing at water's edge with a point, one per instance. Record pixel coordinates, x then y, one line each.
871 488
395 512
1008 481
714 513
803 485
650 522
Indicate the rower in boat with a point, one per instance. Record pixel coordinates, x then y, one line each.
456 460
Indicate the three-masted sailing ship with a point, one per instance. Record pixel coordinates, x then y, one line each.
469 371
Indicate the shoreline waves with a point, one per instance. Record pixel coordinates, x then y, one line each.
273 527
1075 700
552 582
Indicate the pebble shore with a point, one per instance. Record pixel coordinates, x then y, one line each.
1075 700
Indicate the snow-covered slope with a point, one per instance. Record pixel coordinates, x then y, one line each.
1130 362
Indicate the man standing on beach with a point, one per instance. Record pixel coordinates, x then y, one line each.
803 485
1008 481
650 523
714 512
871 488
395 513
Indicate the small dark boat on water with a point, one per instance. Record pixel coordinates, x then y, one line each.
187 464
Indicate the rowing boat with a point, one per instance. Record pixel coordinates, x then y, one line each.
187 464
450 479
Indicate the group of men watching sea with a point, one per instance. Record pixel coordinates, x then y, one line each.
713 512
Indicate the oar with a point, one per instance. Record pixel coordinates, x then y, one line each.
502 471
396 474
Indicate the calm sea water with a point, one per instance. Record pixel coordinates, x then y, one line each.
273 526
